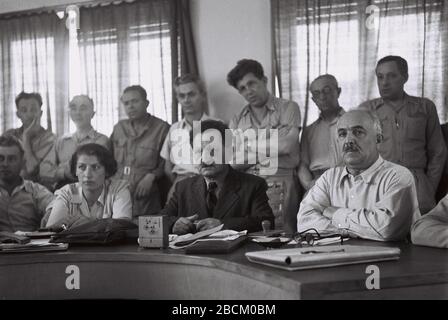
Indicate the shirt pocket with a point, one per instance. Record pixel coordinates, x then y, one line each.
119 150
146 157
416 128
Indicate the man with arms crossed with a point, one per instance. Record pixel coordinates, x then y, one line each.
369 197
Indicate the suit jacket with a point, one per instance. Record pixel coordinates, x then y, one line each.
242 204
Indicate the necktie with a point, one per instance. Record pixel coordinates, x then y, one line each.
211 198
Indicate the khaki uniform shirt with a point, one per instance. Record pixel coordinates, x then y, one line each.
24 208
413 138
41 146
138 153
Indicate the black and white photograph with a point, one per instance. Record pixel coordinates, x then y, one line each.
224 156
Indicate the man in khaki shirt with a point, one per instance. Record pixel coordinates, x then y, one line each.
36 141
264 111
136 144
411 129
369 197
319 149
22 202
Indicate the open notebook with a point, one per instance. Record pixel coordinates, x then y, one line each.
323 256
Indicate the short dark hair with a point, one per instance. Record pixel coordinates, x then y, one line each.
32 95
8 140
139 89
104 156
242 68
189 78
212 124
402 64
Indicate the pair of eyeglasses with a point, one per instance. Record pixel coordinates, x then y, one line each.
310 236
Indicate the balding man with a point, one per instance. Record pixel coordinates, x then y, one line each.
319 146
81 112
369 197
411 128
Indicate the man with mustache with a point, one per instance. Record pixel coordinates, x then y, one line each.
369 197
22 202
411 129
219 194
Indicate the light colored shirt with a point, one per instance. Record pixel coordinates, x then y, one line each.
432 228
378 204
41 145
182 162
66 145
319 148
282 114
24 208
412 135
114 202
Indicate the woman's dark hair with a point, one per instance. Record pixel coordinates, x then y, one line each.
104 156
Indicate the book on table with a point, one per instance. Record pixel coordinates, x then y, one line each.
323 256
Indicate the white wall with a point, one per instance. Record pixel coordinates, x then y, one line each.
225 32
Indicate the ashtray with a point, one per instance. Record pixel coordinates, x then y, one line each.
271 242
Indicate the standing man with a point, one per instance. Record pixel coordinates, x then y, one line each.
369 197
36 141
411 129
191 94
264 111
136 144
319 149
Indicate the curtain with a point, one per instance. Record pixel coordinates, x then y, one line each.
347 38
33 59
184 58
117 44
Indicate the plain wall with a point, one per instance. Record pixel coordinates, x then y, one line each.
225 32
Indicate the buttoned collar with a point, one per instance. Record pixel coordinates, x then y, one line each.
78 196
341 111
91 134
367 175
269 105
407 99
184 123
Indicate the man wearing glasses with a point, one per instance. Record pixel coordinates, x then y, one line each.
369 197
319 148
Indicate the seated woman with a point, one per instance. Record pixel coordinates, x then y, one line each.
94 196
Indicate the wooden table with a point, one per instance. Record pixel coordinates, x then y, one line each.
130 272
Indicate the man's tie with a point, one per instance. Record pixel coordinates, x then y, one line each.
211 198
